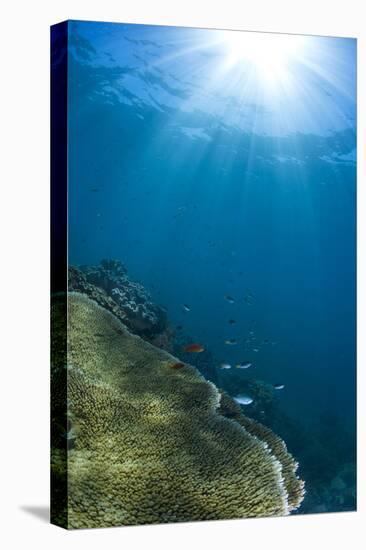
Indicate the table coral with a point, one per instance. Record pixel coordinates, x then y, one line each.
294 486
150 442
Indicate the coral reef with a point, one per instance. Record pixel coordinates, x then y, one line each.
294 486
336 495
58 410
327 453
150 442
264 407
77 281
109 285
328 463
163 340
330 475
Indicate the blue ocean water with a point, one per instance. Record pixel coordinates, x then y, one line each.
215 167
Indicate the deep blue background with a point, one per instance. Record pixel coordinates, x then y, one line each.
221 209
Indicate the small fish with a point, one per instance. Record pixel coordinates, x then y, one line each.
179 327
176 366
256 350
94 189
232 321
186 308
244 365
278 386
243 399
194 348
230 342
225 366
229 299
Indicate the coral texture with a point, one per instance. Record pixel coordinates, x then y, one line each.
109 285
150 443
294 486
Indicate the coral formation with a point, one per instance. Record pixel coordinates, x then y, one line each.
294 486
77 282
150 443
109 285
59 410
331 487
338 495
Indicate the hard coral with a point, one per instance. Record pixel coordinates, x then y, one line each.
294 486
151 444
109 285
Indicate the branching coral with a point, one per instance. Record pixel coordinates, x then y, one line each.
150 442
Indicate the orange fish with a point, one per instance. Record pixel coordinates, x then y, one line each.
194 348
176 366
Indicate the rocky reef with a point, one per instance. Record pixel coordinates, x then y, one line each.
328 462
150 440
110 286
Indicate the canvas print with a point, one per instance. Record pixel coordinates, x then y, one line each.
203 274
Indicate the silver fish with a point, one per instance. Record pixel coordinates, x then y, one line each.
279 386
230 342
225 366
243 365
243 399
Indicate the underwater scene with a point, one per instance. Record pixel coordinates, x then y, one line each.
209 370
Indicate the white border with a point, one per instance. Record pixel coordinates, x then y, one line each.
25 270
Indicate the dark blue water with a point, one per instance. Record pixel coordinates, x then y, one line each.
208 178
